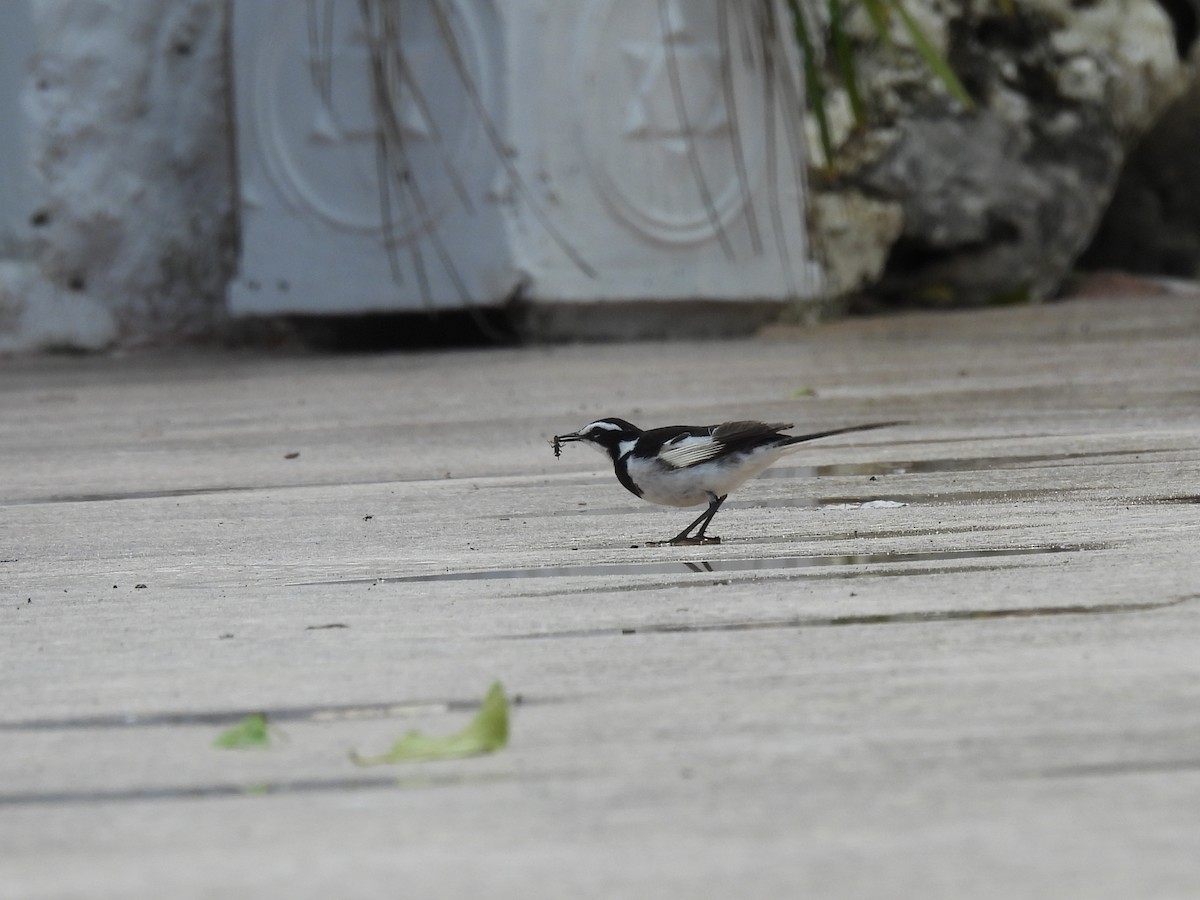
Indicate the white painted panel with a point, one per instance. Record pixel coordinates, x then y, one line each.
587 151
667 157
318 233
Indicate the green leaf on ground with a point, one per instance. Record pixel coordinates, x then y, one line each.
487 733
252 731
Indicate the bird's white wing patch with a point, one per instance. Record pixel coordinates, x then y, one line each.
688 450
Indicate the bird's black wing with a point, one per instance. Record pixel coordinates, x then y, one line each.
682 446
651 441
744 435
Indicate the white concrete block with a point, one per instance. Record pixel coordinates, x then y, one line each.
574 153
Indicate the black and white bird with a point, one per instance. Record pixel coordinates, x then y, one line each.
686 465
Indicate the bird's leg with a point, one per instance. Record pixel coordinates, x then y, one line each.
699 537
684 538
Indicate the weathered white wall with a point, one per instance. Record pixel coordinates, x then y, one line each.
17 196
125 117
121 228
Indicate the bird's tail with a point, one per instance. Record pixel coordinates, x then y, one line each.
801 438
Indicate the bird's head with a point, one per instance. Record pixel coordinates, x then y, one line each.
605 435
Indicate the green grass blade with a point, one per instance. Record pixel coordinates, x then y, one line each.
881 18
929 53
813 87
843 54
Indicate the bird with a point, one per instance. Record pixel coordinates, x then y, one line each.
686 465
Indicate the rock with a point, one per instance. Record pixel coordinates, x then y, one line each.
990 214
998 203
1153 223
856 234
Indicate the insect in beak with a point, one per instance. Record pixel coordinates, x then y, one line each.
560 439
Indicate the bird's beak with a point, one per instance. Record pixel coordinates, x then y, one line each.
560 439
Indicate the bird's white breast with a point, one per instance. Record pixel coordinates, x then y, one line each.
693 485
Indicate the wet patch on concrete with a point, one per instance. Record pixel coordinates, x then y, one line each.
721 565
909 571
884 501
916 617
132 495
1121 767
901 500
951 464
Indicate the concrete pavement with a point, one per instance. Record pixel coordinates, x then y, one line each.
992 690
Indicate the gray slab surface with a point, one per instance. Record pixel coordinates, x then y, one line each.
992 690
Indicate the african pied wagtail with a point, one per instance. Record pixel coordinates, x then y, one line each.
685 465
